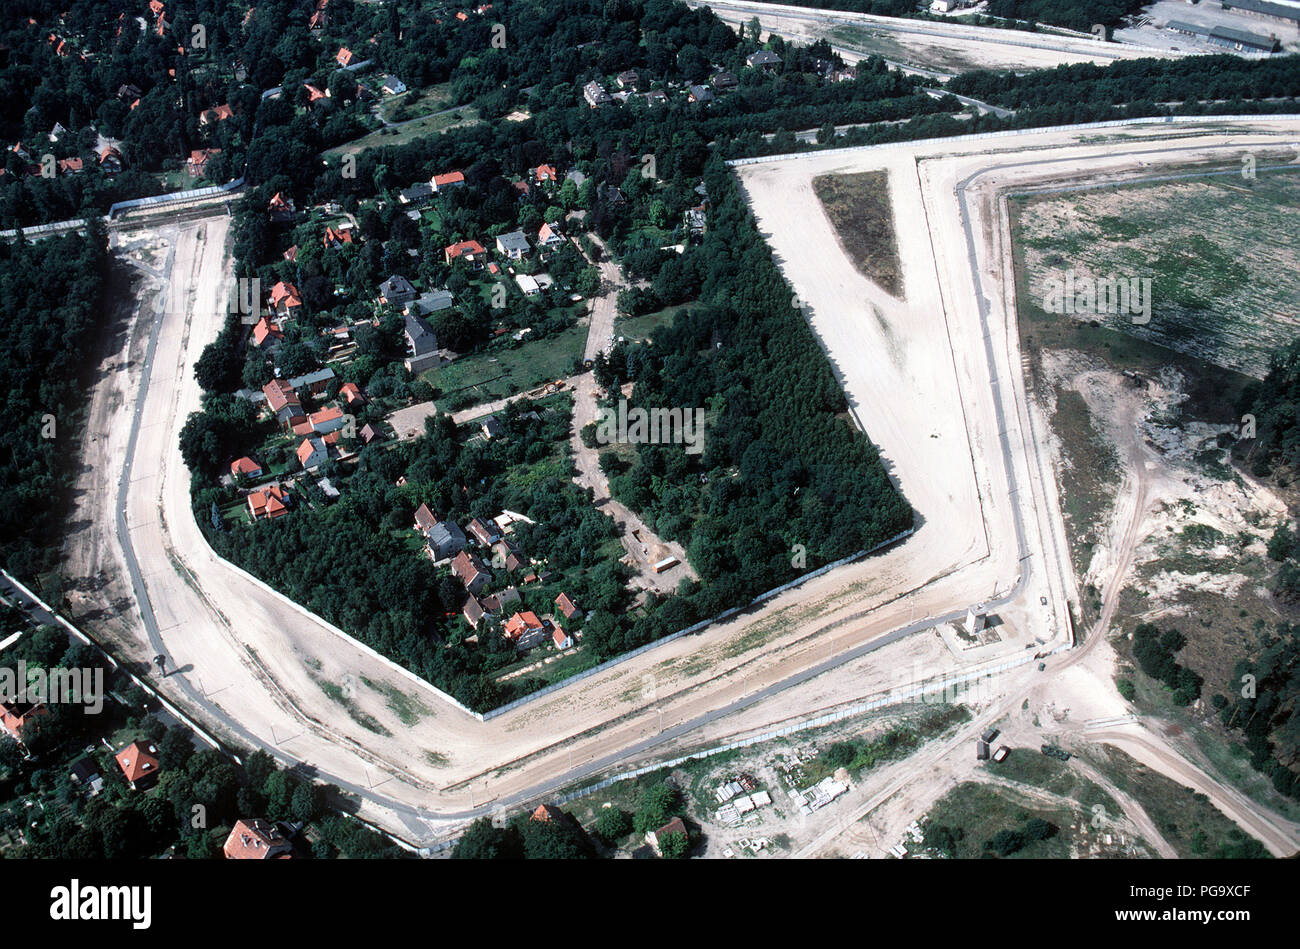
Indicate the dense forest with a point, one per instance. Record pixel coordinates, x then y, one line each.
1079 15
1275 405
1261 701
54 292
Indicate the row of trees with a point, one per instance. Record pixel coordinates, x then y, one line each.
54 292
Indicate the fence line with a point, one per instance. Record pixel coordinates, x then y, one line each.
827 718
1006 133
702 624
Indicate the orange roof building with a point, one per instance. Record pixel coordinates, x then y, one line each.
139 762
269 503
256 839
245 466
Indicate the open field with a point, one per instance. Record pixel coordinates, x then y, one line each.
1222 253
858 206
426 125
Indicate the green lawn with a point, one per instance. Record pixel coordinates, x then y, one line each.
640 327
427 126
500 370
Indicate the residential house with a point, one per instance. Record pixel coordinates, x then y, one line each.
513 245
701 94
421 344
393 86
655 97
418 193
198 161
496 602
328 420
312 453
315 96
425 519
432 302
336 237
245 467
266 333
129 92
628 79
281 208
283 402
85 772
469 570
450 179
491 427
317 382
285 300
473 611
595 95
568 609
268 503
655 837
485 532
139 763
724 81
525 630
471 252
218 113
369 433
352 394
345 57
445 540
549 236
549 814
15 716
560 638
695 219
110 159
397 290
70 166
764 59
528 284
256 839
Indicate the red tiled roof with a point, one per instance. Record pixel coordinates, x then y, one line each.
450 178
464 247
345 56
566 605
351 392
245 466
285 293
137 760
255 840
521 623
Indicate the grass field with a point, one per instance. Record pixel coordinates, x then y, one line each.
858 205
499 370
640 327
429 125
1186 819
1222 253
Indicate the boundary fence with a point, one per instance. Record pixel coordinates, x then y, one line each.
1008 133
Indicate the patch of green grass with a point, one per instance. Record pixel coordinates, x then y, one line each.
500 369
406 707
1028 766
429 125
1186 819
980 811
858 205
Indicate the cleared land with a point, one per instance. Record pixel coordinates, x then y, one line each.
925 46
859 208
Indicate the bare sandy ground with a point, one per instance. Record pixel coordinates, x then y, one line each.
945 48
1082 681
